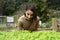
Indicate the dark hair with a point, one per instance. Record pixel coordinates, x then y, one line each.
32 8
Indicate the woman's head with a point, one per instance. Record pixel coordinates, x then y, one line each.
30 12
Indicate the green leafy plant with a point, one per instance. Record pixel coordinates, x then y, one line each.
58 22
27 35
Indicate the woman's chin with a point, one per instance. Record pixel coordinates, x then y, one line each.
29 19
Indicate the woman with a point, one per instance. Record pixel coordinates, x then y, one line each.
29 21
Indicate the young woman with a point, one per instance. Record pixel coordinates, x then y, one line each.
30 20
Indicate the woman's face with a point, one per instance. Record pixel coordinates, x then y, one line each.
29 14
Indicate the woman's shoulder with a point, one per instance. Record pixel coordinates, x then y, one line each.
21 18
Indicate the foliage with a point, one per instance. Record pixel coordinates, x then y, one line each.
15 20
6 28
46 25
41 9
11 6
49 23
27 35
58 20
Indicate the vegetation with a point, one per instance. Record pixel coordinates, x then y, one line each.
11 6
27 35
45 13
58 22
6 28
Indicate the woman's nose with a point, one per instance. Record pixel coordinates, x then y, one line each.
29 16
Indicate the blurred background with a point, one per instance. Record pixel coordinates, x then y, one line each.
11 10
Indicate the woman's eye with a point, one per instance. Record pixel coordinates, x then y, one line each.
28 14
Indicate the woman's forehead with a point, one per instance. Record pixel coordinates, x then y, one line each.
29 12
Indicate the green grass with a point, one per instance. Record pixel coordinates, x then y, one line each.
15 20
4 28
27 35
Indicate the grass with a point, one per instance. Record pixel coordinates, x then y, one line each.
27 35
4 28
15 20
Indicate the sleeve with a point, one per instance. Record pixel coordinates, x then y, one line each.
38 19
34 25
37 25
19 25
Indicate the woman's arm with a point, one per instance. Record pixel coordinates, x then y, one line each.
19 26
34 25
